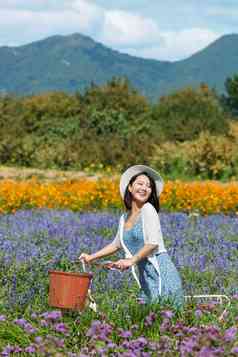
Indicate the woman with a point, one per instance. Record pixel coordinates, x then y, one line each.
139 234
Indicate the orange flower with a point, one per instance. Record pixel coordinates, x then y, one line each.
85 194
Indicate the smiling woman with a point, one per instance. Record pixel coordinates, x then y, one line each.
139 235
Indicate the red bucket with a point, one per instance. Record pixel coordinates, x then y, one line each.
69 290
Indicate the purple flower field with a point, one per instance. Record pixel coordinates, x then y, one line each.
204 249
201 244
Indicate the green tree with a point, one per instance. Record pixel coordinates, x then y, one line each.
45 112
184 114
10 112
114 107
230 100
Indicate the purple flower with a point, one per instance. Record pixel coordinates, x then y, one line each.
230 334
219 351
212 333
140 342
25 325
234 350
102 352
127 344
17 349
2 318
165 326
154 346
44 323
20 322
34 316
59 342
99 330
193 330
111 345
141 301
165 344
198 313
38 339
188 344
94 329
124 333
210 352
133 353
30 329
179 328
7 350
102 336
74 232
150 319
52 315
61 327
168 314
30 349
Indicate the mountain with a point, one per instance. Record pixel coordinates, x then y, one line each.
73 62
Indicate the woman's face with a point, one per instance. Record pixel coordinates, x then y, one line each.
140 189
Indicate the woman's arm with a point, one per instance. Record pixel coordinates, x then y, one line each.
144 252
104 252
109 249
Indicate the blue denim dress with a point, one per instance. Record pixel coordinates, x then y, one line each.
171 286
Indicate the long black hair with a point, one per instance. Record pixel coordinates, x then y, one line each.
153 199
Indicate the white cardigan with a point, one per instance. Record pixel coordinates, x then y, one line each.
151 232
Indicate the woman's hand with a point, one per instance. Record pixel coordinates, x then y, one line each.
86 258
123 264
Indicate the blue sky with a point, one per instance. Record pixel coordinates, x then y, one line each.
160 29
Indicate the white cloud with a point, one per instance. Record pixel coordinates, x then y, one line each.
28 26
113 28
125 29
176 45
91 15
130 32
24 26
186 42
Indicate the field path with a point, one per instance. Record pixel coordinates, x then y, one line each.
14 173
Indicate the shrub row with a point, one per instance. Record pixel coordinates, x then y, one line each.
209 156
110 125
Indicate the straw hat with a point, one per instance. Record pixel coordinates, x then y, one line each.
135 170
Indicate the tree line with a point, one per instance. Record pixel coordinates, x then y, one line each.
110 125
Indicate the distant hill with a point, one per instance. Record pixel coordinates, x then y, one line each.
71 63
